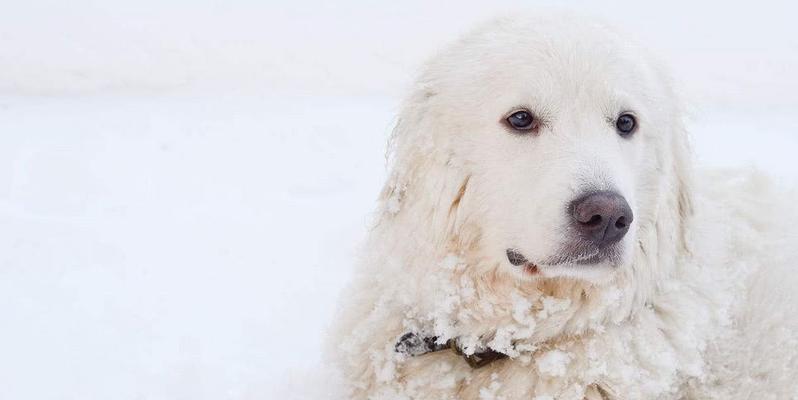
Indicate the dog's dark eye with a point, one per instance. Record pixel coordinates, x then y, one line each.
626 124
522 121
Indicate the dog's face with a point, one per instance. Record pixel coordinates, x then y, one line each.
562 139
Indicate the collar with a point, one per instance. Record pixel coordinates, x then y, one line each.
414 345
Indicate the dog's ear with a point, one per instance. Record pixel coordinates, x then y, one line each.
426 180
676 165
679 192
683 183
663 238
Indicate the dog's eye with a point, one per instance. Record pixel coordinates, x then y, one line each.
522 120
626 124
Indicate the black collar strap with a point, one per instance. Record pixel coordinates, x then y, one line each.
415 345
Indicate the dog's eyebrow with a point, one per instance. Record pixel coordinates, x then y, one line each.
621 102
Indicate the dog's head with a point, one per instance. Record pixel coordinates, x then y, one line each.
553 146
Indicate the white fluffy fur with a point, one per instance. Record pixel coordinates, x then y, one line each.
701 306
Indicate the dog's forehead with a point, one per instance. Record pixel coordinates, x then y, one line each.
548 62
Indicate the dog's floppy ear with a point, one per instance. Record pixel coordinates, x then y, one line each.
676 164
683 182
664 237
426 181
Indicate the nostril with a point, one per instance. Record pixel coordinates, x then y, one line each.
621 223
594 220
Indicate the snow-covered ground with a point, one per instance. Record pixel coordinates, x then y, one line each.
183 186
176 246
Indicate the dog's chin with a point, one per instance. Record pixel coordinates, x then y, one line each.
597 269
597 273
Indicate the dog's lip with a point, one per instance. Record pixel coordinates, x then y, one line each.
516 258
531 269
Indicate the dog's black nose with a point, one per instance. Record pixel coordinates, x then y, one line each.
602 217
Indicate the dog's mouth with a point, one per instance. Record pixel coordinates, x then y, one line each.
516 258
583 258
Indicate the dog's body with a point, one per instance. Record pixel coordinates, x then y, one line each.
692 301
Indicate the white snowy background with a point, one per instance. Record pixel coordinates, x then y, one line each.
183 184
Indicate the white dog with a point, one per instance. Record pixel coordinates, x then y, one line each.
542 236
